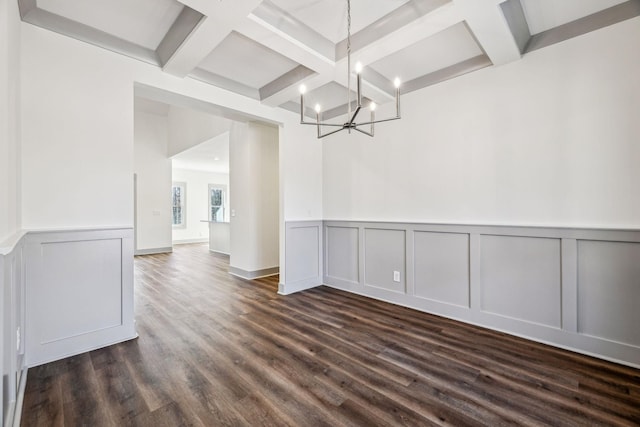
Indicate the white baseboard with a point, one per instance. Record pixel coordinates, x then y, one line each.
187 241
153 251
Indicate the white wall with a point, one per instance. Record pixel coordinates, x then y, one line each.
9 118
77 134
188 127
153 171
549 140
253 165
197 203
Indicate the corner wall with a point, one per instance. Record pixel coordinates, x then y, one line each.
253 166
12 280
9 118
153 184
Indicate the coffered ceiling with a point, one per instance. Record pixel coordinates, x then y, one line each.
266 49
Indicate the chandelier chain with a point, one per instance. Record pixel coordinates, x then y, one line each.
349 59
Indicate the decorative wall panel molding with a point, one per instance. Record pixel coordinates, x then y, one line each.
572 288
303 256
443 271
342 260
384 256
609 291
79 292
520 278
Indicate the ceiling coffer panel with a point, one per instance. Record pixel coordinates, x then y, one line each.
141 22
451 46
246 61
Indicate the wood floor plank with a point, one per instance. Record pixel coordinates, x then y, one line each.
217 350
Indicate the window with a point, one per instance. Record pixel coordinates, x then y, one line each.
217 195
179 204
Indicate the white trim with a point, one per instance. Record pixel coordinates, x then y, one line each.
187 241
153 251
17 408
256 274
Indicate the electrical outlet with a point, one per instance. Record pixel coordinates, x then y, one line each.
396 276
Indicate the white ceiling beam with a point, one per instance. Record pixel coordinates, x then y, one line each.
491 29
423 27
221 17
268 35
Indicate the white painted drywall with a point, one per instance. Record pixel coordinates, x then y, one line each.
153 172
197 203
188 127
253 165
77 107
77 134
9 119
549 140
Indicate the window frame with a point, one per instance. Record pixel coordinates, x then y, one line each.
183 204
222 187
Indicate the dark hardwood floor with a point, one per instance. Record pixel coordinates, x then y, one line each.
215 350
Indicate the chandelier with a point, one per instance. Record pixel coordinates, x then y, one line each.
352 114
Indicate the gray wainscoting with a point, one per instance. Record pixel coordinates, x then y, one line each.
303 256
572 288
79 292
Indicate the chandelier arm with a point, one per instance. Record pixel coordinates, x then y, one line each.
355 113
323 124
329 133
364 131
377 121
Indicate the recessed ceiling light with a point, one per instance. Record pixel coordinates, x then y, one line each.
216 158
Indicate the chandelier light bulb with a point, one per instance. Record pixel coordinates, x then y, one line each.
396 82
353 106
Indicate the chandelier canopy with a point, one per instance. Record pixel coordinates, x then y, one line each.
352 114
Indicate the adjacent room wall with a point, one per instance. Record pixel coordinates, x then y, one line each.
188 128
253 165
153 180
550 140
197 230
